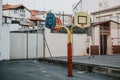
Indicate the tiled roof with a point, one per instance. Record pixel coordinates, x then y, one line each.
33 18
8 6
111 8
36 12
104 22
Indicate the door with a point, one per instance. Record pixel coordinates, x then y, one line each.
103 44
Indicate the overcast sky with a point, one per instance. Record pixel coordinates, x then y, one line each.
59 5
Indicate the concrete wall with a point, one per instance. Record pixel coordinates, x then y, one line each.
18 46
115 33
0 29
96 37
14 27
57 43
23 46
4 38
5 42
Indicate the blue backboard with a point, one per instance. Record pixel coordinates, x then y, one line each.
50 21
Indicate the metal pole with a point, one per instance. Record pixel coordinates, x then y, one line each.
43 43
81 5
37 44
63 18
69 48
48 48
69 55
27 45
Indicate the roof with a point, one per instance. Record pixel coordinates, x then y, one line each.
36 12
33 18
107 9
104 22
8 6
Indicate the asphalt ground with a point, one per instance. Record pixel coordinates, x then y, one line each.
34 70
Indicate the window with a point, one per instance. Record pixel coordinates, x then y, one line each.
22 15
118 17
15 11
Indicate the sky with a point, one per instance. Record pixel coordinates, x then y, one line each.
60 5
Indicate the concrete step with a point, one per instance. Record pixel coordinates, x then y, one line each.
105 70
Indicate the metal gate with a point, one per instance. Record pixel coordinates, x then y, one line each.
26 44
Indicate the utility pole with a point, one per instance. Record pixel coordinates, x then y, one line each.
63 18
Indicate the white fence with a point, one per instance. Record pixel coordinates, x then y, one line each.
26 46
31 45
58 44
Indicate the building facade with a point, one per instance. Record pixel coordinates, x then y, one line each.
17 14
106 31
112 13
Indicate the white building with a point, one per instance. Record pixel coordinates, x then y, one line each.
13 18
37 17
16 14
66 19
106 31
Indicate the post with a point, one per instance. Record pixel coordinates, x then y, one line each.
69 45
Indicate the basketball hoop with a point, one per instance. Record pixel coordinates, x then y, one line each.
82 20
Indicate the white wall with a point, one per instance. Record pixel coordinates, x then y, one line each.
35 45
14 27
58 44
27 13
0 29
79 44
17 46
96 37
23 48
6 12
115 33
4 38
5 42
